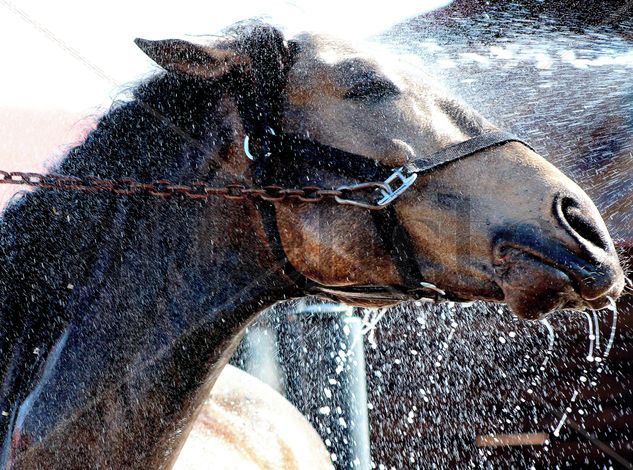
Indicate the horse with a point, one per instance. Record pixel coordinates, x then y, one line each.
119 311
561 86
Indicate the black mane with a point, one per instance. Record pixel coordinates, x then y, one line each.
165 132
49 239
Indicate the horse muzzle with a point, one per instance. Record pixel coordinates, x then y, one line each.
539 275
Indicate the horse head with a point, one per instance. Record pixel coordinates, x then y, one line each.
502 225
127 307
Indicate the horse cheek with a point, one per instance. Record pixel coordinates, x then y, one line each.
334 245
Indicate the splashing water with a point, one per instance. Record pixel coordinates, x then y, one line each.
563 418
614 323
370 322
441 355
596 329
593 327
550 346
582 379
592 336
598 350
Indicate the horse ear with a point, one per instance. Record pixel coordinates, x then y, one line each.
191 59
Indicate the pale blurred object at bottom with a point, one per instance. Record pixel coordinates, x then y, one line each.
246 425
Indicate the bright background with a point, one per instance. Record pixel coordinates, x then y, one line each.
64 62
76 55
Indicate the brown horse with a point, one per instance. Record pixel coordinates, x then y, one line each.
128 308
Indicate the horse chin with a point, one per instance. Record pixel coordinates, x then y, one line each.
532 288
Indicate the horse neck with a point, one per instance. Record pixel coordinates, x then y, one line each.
130 334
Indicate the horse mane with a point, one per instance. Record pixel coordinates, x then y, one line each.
50 239
171 114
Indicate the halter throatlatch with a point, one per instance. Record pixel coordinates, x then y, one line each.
282 159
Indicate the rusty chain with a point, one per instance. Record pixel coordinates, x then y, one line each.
163 188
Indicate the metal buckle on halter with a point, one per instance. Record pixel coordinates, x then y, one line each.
246 145
387 193
405 181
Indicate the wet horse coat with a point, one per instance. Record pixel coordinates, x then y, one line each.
119 313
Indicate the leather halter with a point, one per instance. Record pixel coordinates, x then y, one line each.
281 159
289 154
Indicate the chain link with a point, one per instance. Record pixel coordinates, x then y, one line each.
164 189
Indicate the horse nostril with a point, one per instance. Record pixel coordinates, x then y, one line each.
579 223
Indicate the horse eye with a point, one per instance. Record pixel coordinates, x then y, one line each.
373 90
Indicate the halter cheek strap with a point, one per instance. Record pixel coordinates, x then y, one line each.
394 236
